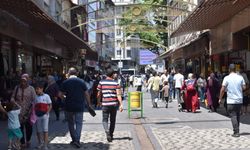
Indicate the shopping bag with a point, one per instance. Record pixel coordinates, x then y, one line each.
156 100
206 102
33 116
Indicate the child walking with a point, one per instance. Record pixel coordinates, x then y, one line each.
14 131
42 109
165 91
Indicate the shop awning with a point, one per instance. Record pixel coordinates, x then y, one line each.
31 13
209 14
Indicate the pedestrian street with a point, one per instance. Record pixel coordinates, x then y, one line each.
166 129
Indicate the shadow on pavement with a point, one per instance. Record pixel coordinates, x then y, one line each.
245 119
84 146
244 133
194 121
124 138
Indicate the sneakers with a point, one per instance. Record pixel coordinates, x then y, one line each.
40 146
236 135
75 144
46 148
109 138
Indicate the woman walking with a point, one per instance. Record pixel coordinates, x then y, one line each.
213 90
52 90
24 95
191 95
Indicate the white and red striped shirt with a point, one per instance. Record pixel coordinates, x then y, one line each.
108 89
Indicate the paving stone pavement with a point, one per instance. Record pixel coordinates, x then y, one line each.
199 139
95 140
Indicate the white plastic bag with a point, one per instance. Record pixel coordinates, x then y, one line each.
156 100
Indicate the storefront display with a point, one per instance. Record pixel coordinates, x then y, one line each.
24 62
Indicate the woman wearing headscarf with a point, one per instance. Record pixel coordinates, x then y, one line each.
52 90
24 95
191 95
213 91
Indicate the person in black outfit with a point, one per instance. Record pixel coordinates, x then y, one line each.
52 90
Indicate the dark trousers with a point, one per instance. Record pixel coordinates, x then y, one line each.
234 113
138 88
109 112
28 132
56 108
161 93
166 99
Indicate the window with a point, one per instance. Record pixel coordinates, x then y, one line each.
118 52
118 42
129 53
118 31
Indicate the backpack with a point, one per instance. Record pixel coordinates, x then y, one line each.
190 86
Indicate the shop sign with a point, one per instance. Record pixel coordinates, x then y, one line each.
120 64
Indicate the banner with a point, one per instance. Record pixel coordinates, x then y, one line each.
146 57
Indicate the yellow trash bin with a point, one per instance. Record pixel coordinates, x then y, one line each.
135 100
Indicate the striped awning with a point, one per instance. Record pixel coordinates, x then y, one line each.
209 14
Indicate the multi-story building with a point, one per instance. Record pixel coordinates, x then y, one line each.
175 54
98 40
35 36
125 54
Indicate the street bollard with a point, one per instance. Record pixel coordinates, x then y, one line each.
135 102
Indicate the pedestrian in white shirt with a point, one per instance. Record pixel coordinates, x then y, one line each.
234 84
43 105
178 82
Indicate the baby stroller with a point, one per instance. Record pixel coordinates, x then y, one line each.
182 106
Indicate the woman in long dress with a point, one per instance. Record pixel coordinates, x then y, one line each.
213 89
191 95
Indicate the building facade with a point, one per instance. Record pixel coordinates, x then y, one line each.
126 48
35 37
227 31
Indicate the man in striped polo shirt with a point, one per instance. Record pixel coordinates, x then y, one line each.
110 92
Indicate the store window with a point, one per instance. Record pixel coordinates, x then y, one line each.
24 62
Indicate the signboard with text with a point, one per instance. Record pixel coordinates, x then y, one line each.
146 57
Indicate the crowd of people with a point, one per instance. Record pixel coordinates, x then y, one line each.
33 99
192 91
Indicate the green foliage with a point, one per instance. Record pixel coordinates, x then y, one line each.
148 35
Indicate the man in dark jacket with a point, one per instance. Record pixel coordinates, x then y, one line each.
76 94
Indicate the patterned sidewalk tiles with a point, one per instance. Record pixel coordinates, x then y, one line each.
200 139
94 140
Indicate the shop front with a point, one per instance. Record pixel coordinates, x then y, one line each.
177 60
196 55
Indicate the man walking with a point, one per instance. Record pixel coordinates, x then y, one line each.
178 82
110 92
234 84
76 94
